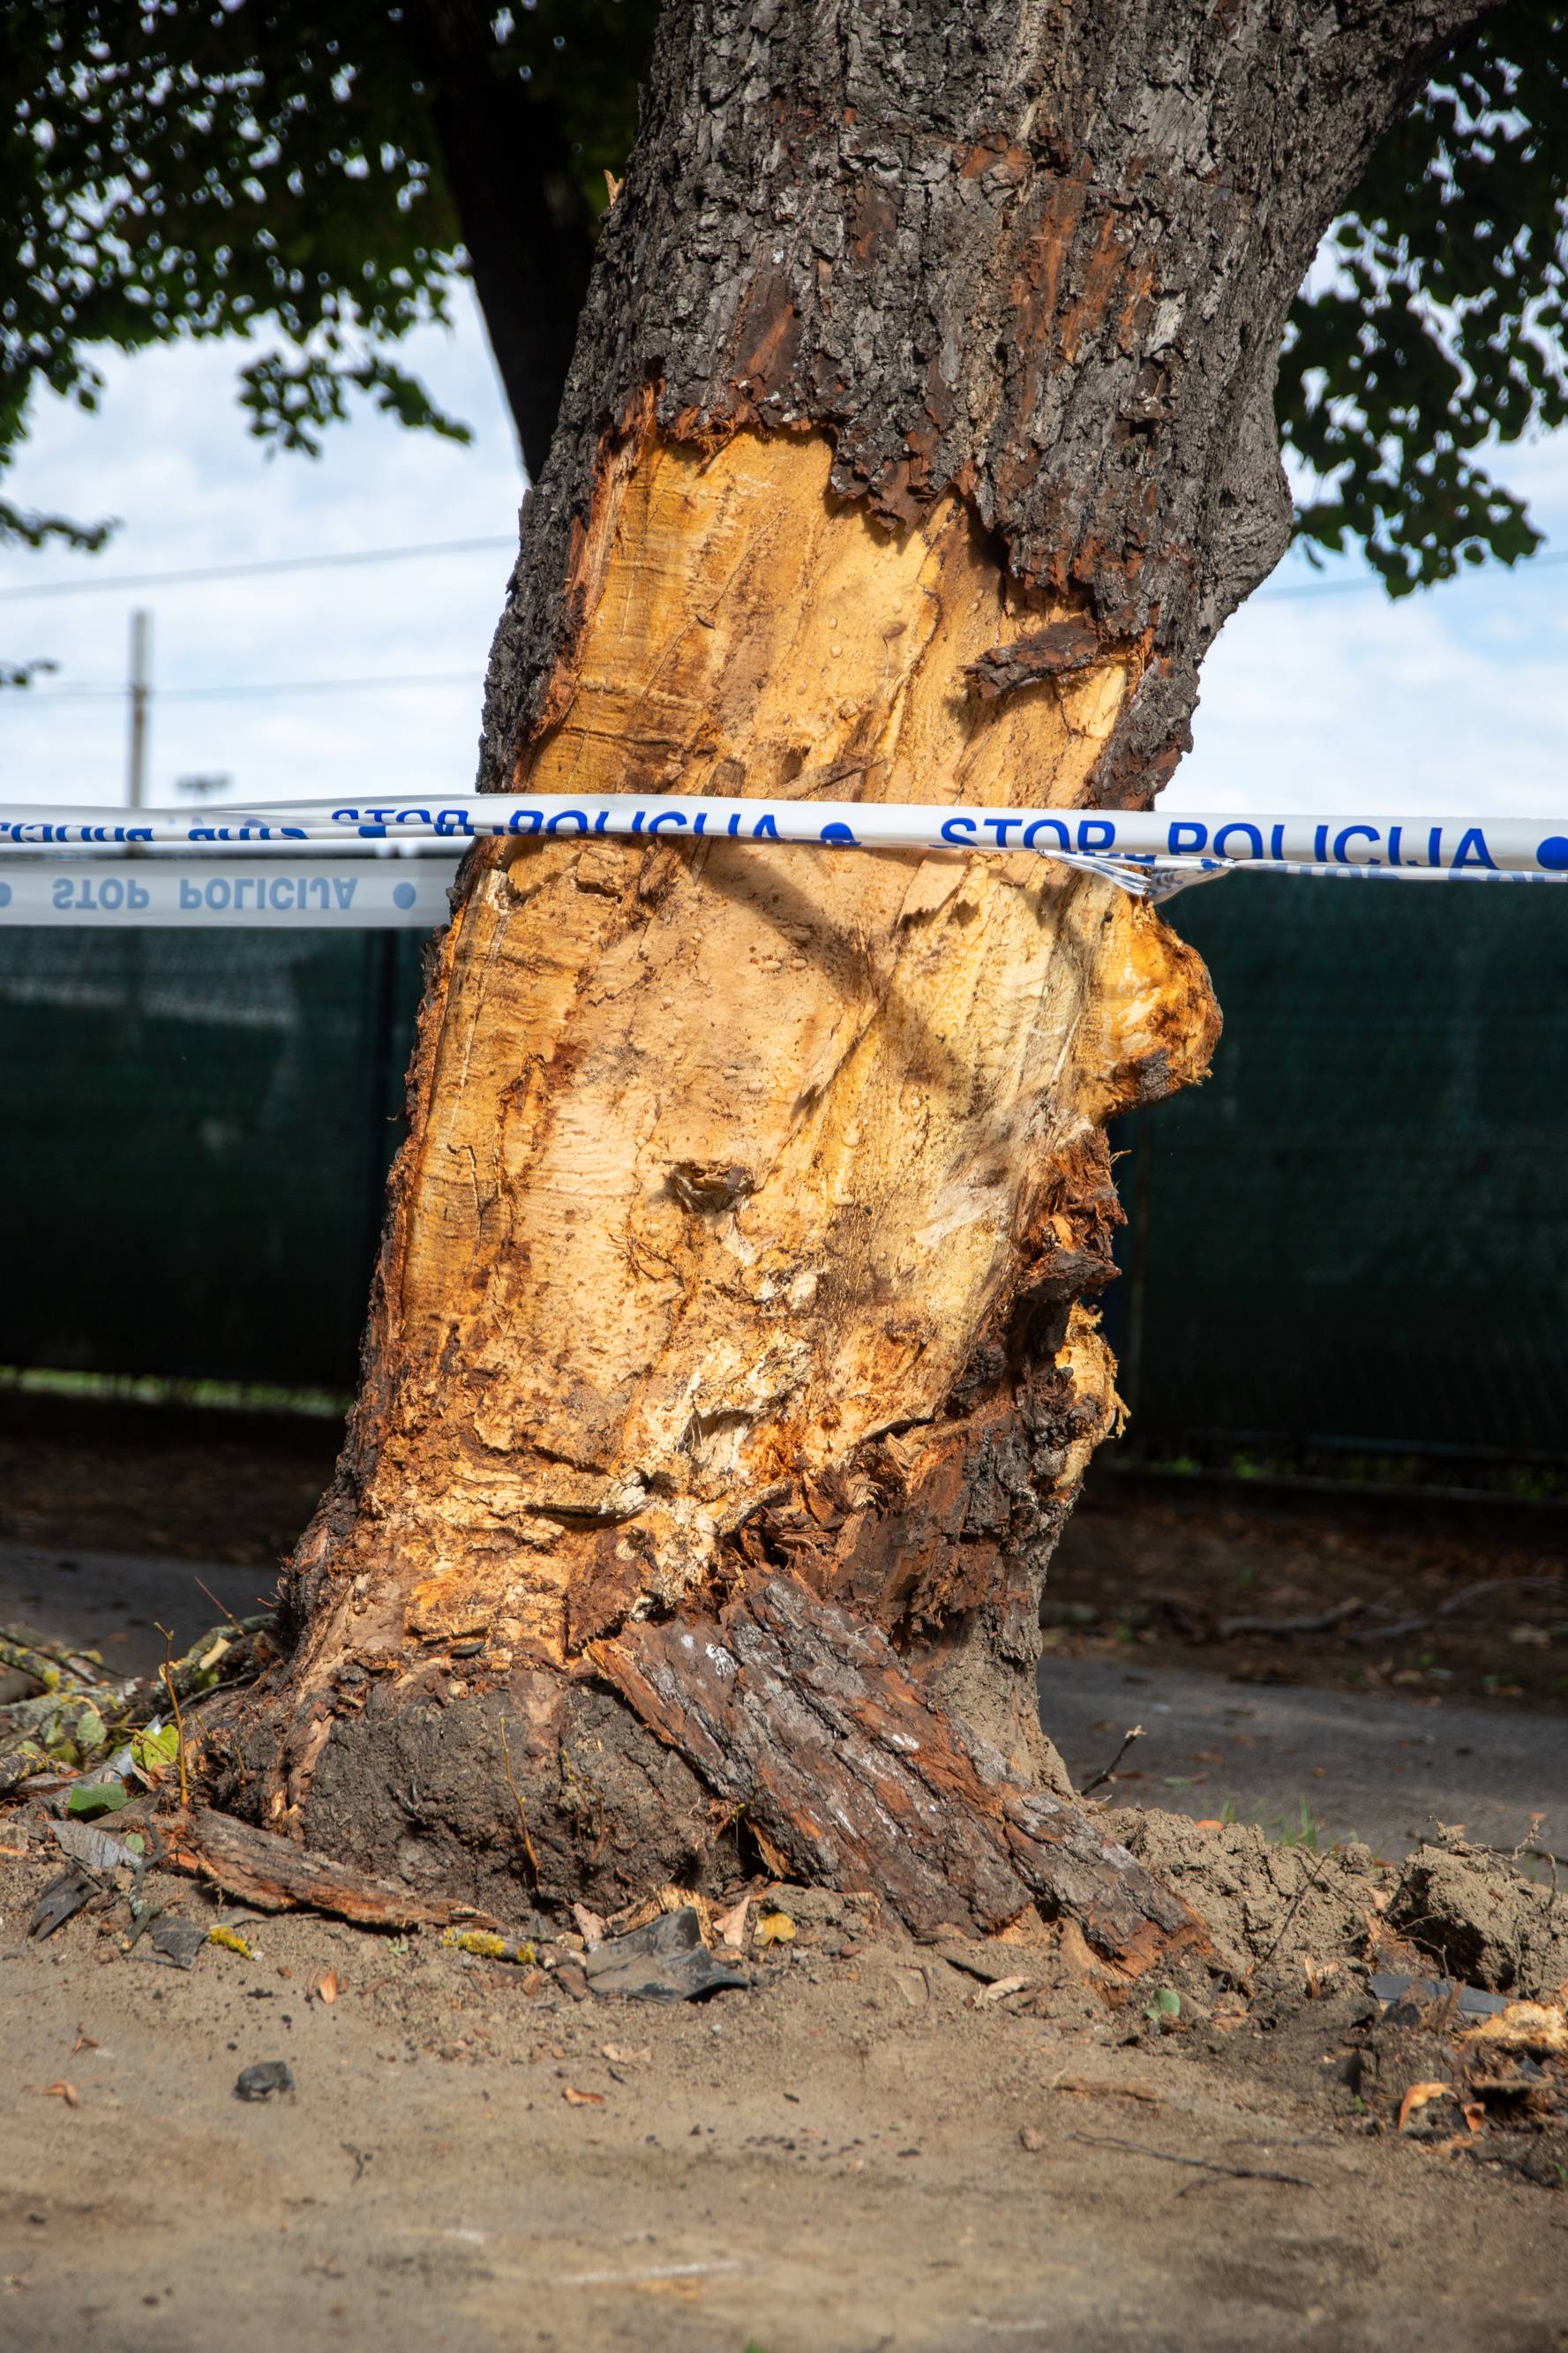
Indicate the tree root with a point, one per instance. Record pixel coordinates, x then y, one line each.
804 1717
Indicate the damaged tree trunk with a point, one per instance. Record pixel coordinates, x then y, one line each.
731 1366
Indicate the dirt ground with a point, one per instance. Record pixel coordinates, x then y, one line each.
869 2149
875 2145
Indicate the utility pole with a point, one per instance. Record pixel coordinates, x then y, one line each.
140 695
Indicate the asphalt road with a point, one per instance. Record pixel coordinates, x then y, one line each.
110 1601
1382 1768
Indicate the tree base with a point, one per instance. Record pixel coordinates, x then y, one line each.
781 1731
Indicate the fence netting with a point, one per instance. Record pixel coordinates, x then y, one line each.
198 1132
1355 1234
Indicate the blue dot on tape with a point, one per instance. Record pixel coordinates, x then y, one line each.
5 894
1553 852
841 833
403 893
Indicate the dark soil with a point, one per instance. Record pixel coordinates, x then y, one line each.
205 1487
1163 1569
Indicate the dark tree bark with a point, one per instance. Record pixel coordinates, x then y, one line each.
730 1372
527 231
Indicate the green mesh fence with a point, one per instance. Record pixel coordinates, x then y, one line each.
1357 1232
197 1126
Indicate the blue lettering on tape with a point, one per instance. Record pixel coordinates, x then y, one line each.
1472 849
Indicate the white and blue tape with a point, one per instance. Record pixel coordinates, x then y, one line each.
333 894
1142 851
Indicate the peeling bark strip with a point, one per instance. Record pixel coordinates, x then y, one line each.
276 1875
803 1715
1055 651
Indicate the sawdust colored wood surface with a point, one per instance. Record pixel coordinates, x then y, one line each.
725 1157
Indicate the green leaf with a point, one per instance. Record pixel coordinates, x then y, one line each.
88 1798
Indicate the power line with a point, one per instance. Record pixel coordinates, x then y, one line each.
36 700
1364 580
271 563
438 547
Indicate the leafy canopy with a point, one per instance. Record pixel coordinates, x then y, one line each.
1443 327
269 169
273 169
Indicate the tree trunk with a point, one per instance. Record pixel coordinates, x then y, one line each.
731 1368
525 227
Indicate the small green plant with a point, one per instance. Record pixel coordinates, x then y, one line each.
1165 2009
1303 1829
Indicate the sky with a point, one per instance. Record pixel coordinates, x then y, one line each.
1319 696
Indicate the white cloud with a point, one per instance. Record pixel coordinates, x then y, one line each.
168 452
1451 700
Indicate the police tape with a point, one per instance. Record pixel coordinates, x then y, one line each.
1141 851
342 894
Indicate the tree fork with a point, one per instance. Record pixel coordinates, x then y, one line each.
729 1373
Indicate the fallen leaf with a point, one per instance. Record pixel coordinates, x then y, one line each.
626 2054
577 2099
730 1927
774 1928
1474 2113
326 1986
998 1991
84 2041
1418 2097
62 2090
590 1925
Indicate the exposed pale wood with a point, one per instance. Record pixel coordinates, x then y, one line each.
723 1157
